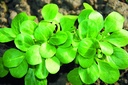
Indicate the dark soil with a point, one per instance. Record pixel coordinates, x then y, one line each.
10 8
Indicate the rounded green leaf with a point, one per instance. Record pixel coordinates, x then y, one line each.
28 27
86 48
41 71
66 55
82 32
106 48
3 69
120 58
58 38
49 11
20 70
85 62
68 41
12 57
6 35
89 75
23 42
44 31
87 6
16 22
84 14
113 22
47 50
118 38
67 22
74 78
108 74
33 56
52 65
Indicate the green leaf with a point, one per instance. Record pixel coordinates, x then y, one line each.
58 38
23 42
97 18
74 78
6 35
86 48
20 70
66 55
68 41
67 22
82 32
41 82
106 48
52 65
85 62
41 71
89 75
113 22
84 14
47 50
87 6
118 38
120 58
108 74
3 69
16 22
49 11
33 56
12 57
30 77
44 31
28 27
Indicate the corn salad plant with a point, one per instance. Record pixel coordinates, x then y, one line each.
95 45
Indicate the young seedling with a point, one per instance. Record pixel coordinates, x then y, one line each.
42 48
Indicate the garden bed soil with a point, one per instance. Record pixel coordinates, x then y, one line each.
10 8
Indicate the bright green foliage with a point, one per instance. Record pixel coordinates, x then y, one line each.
12 57
47 50
52 65
107 73
20 70
23 42
6 35
58 38
41 72
66 55
28 27
67 23
74 77
16 22
85 62
89 75
86 48
43 32
3 69
92 42
33 56
49 12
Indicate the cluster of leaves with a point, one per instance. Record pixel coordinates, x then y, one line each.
41 48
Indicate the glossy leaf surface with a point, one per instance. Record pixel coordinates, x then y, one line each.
12 57
49 11
89 75
47 50
66 55
20 70
23 42
105 69
33 56
52 65
6 35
